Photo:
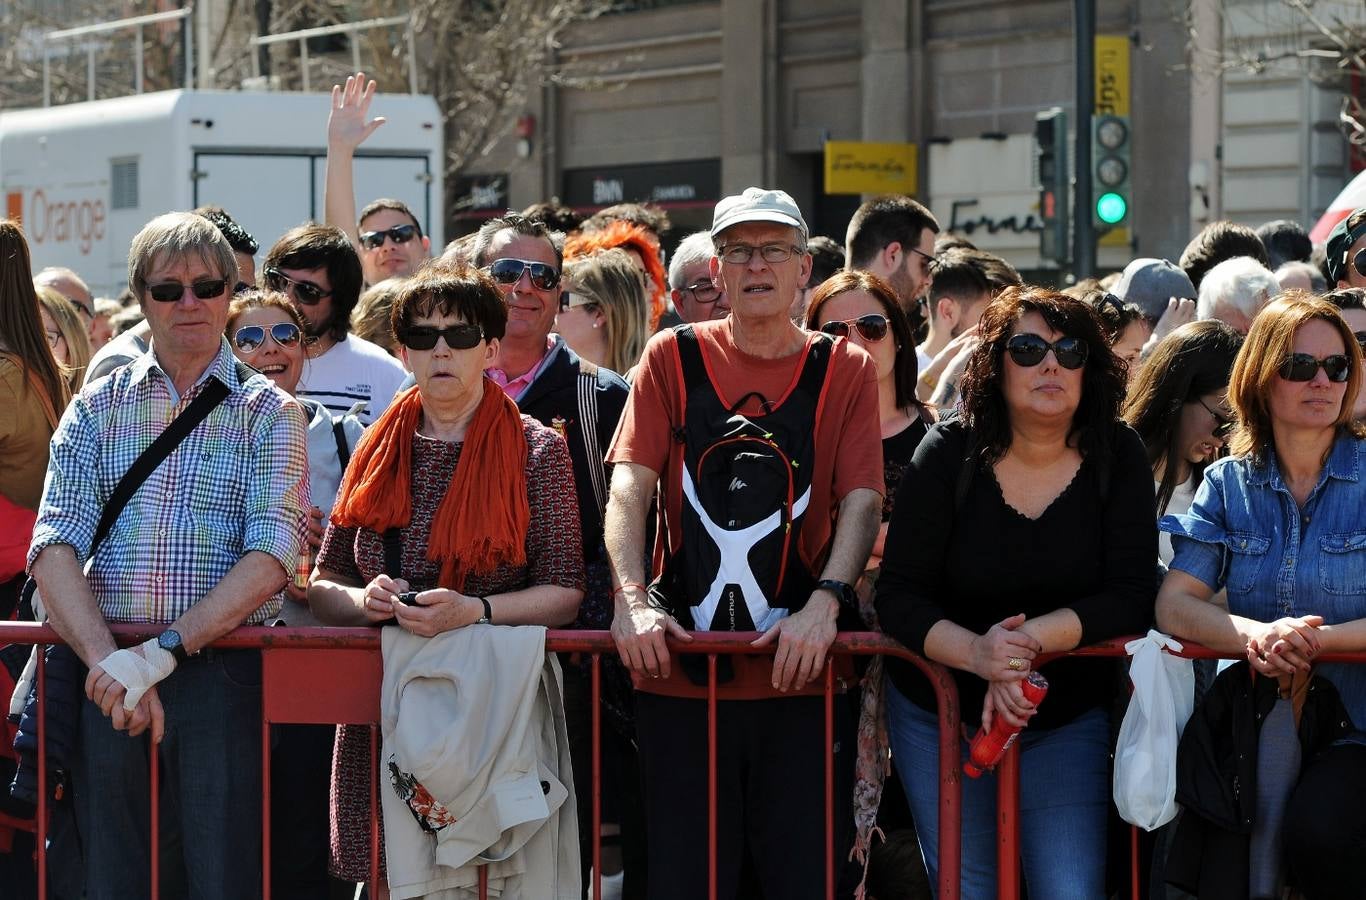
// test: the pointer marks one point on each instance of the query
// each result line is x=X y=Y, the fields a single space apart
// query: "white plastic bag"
x=1145 y=757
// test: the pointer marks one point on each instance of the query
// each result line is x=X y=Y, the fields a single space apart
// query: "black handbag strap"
x=214 y=393
x=343 y=451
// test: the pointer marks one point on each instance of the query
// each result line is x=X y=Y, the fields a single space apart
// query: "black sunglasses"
x=171 y=291
x=1028 y=350
x=872 y=327
x=509 y=271
x=424 y=337
x=249 y=338
x=1223 y=425
x=1359 y=262
x=306 y=292
x=1361 y=339
x=1303 y=367
x=399 y=234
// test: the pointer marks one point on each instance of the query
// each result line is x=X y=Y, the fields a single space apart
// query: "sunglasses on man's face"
x=871 y=328
x=509 y=271
x=306 y=292
x=399 y=234
x=1028 y=350
x=1361 y=339
x=171 y=291
x=1303 y=367
x=424 y=337
x=250 y=338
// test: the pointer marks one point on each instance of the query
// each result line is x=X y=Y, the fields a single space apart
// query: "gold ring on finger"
x=1016 y=663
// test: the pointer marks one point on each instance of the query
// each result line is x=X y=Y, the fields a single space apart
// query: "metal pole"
x=189 y=52
x=90 y=73
x=412 y=57
x=47 y=76
x=303 y=62
x=137 y=61
x=1083 y=232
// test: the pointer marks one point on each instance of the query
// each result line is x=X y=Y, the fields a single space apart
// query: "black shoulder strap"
x=343 y=451
x=690 y=356
x=213 y=394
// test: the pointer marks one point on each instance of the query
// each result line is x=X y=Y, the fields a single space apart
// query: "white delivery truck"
x=85 y=177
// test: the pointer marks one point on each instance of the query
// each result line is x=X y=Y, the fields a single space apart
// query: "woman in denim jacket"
x=1280 y=525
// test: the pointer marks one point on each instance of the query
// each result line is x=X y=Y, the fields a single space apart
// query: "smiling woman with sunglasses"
x=1279 y=526
x=455 y=510
x=1024 y=527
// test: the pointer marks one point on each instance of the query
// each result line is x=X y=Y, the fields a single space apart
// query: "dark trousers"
x=300 y=781
x=770 y=794
x=620 y=759
x=210 y=781
x=1325 y=825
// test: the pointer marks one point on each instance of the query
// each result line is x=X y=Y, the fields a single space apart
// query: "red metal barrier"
x=1008 y=780
x=333 y=675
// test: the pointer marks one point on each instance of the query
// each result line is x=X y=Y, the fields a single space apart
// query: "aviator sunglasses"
x=1303 y=367
x=872 y=327
x=399 y=234
x=509 y=271
x=458 y=337
x=306 y=292
x=171 y=291
x=1028 y=350
x=250 y=338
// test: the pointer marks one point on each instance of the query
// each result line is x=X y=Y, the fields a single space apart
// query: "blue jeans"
x=1064 y=801
x=210 y=779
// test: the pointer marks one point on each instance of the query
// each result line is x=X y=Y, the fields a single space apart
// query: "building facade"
x=685 y=102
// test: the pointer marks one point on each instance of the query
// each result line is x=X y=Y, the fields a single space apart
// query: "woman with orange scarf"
x=473 y=500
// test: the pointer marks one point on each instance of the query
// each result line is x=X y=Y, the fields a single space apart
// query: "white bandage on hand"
x=138 y=671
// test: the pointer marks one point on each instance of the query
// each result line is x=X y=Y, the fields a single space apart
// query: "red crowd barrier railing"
x=333 y=675
x=1008 y=772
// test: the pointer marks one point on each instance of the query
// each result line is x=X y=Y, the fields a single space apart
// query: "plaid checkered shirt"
x=238 y=482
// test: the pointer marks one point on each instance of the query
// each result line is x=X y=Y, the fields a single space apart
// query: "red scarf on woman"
x=481 y=522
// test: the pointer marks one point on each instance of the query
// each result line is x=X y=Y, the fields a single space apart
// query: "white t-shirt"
x=922 y=360
x=353 y=371
x=1182 y=498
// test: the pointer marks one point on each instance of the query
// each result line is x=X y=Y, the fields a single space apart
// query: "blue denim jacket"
x=1245 y=533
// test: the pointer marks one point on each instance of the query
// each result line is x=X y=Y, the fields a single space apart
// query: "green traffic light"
x=1111 y=208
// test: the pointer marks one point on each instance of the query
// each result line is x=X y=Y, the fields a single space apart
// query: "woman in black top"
x=1026 y=527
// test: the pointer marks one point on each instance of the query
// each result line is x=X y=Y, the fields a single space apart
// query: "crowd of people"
x=552 y=423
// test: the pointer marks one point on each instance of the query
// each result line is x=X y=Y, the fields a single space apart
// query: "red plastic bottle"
x=988 y=747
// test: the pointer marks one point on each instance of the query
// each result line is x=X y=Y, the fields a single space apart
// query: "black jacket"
x=583 y=402
x=1216 y=776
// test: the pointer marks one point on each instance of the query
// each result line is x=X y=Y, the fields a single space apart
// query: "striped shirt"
x=238 y=482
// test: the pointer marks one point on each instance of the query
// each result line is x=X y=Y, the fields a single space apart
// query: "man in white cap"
x=764 y=442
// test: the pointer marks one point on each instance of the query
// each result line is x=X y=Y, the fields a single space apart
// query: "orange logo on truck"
x=65 y=221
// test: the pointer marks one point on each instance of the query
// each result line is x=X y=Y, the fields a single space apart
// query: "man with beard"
x=318 y=269
x=893 y=237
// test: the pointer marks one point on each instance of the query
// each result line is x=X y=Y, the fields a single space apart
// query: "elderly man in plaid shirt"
x=203 y=546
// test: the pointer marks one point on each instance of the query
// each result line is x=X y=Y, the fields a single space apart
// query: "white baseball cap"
x=757 y=205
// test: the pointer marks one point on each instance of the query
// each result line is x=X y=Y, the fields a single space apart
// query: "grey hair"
x=1317 y=283
x=693 y=249
x=179 y=234
x=1241 y=282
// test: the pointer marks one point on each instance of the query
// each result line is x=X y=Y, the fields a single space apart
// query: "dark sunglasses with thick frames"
x=872 y=327
x=399 y=234
x=509 y=271
x=1303 y=367
x=250 y=338
x=1223 y=425
x=1028 y=350
x=424 y=337
x=306 y=292
x=171 y=291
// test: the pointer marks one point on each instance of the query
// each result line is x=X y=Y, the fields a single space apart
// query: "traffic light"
x=1110 y=154
x=1050 y=156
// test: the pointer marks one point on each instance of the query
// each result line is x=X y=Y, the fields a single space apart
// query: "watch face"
x=169 y=640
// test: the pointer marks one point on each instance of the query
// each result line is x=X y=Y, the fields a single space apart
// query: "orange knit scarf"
x=481 y=522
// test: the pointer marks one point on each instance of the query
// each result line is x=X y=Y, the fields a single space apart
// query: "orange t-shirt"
x=848 y=440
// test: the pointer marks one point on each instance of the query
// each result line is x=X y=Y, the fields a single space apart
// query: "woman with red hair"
x=640 y=245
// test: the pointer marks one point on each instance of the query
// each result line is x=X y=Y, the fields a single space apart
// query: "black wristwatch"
x=843 y=591
x=487 y=617
x=169 y=640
